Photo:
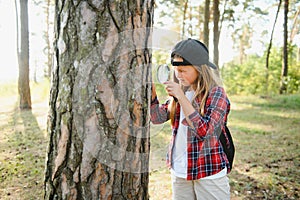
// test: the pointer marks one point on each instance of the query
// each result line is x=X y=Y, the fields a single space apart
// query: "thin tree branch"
x=271 y=39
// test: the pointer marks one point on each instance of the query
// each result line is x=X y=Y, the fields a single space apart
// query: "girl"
x=198 y=112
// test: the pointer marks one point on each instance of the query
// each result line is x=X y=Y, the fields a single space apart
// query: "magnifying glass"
x=163 y=73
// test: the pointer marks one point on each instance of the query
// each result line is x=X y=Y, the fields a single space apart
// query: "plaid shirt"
x=204 y=150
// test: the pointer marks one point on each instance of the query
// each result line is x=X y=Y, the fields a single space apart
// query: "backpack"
x=229 y=150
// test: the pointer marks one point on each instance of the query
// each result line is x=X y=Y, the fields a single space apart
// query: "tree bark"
x=269 y=49
x=206 y=23
x=98 y=122
x=23 y=54
x=48 y=40
x=185 y=7
x=216 y=38
x=284 y=72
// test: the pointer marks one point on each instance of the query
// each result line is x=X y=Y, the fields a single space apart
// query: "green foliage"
x=251 y=76
x=160 y=57
x=244 y=79
x=293 y=78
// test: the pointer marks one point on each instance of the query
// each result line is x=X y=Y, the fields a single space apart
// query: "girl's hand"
x=174 y=89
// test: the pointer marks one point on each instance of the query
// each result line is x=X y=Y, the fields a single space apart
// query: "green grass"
x=265 y=132
x=23 y=142
x=22 y=150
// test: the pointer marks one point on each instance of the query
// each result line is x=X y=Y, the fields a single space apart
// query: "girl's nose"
x=178 y=74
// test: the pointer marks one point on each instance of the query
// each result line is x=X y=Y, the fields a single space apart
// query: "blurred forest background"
x=255 y=43
x=248 y=43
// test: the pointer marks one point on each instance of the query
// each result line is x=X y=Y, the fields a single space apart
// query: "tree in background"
x=185 y=9
x=250 y=77
x=98 y=122
x=245 y=21
x=284 y=72
x=243 y=25
x=269 y=50
x=295 y=30
x=187 y=17
x=48 y=47
x=206 y=23
x=216 y=30
x=23 y=54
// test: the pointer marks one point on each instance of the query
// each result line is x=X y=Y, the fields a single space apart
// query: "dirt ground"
x=265 y=132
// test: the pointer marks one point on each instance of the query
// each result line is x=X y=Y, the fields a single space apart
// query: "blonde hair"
x=207 y=79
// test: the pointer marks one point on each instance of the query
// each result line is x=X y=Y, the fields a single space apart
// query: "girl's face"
x=186 y=75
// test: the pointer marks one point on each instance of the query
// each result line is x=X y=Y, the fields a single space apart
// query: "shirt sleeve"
x=159 y=113
x=214 y=117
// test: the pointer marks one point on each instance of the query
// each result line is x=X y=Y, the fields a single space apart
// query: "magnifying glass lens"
x=163 y=73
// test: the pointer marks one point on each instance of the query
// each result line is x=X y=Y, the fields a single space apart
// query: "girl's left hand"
x=173 y=89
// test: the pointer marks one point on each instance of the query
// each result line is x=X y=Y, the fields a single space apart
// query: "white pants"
x=202 y=189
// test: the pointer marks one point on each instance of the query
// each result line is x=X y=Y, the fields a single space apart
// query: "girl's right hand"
x=174 y=89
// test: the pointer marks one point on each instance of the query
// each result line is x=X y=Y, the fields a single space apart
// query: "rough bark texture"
x=99 y=118
x=23 y=56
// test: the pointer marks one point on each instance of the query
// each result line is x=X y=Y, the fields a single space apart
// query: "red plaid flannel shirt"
x=205 y=153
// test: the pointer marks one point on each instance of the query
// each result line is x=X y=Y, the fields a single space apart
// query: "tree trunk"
x=190 y=27
x=206 y=23
x=23 y=54
x=269 y=49
x=284 y=72
x=184 y=17
x=48 y=43
x=216 y=12
x=98 y=122
x=295 y=27
x=244 y=42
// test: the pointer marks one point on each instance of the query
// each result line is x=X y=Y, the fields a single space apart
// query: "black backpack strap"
x=229 y=149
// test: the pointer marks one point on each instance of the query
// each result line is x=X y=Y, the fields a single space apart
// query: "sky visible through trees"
x=37 y=26
x=8 y=52
x=259 y=25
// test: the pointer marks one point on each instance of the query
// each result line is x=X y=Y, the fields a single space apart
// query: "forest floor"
x=266 y=133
